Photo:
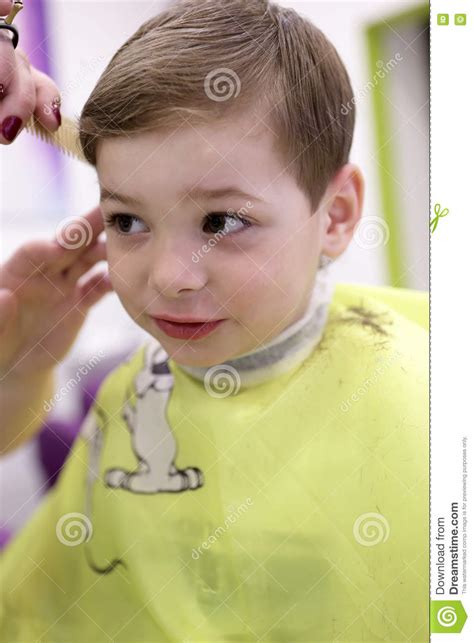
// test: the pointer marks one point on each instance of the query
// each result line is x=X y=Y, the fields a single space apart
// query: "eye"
x=234 y=224
x=124 y=223
x=214 y=223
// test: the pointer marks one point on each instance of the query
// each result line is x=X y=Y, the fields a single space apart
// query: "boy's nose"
x=173 y=270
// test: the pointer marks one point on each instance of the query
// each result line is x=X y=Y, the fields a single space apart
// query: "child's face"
x=173 y=259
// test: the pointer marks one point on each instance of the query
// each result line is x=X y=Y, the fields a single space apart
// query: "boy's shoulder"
x=384 y=314
x=370 y=319
x=411 y=305
x=377 y=338
x=371 y=368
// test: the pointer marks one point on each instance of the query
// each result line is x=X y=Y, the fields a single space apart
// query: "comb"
x=16 y=8
x=65 y=138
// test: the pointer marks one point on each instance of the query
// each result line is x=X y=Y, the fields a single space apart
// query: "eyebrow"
x=196 y=193
x=108 y=195
x=216 y=193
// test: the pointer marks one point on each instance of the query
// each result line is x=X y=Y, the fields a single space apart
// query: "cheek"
x=296 y=263
x=277 y=287
x=259 y=275
x=124 y=269
x=256 y=296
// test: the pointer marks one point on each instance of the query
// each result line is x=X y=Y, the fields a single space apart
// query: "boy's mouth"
x=187 y=330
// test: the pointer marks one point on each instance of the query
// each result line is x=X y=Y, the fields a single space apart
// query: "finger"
x=88 y=260
x=8 y=308
x=17 y=106
x=76 y=234
x=5 y=6
x=48 y=99
x=32 y=257
x=93 y=290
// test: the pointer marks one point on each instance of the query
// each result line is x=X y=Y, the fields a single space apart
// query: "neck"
x=285 y=351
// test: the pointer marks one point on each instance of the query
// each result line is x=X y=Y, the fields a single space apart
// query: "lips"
x=184 y=320
x=186 y=330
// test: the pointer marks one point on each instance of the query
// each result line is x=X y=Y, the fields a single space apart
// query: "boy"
x=258 y=470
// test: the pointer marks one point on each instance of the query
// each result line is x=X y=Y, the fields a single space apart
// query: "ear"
x=341 y=206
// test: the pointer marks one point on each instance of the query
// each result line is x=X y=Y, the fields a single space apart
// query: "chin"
x=193 y=352
x=188 y=354
x=200 y=359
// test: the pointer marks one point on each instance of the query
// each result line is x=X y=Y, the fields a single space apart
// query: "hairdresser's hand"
x=24 y=90
x=42 y=305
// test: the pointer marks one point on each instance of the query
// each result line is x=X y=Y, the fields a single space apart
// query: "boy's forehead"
x=209 y=157
x=223 y=138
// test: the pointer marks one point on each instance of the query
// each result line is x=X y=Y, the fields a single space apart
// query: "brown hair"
x=175 y=66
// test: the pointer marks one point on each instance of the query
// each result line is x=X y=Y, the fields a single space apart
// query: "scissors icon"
x=439 y=214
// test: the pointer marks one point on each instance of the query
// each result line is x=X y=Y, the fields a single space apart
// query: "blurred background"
x=385 y=47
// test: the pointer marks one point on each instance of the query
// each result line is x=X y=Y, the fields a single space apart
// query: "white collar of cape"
x=276 y=357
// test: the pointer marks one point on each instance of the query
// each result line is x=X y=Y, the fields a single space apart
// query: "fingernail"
x=55 y=104
x=10 y=127
x=57 y=113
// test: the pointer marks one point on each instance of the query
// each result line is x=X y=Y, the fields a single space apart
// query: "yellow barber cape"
x=293 y=510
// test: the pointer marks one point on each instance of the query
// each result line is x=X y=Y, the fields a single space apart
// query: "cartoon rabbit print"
x=152 y=439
